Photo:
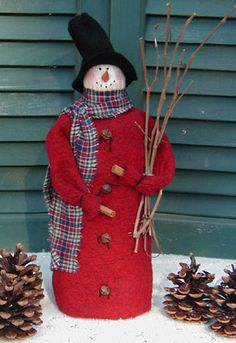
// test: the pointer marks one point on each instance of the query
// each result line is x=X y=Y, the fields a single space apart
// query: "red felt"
x=162 y=174
x=91 y=205
x=128 y=275
x=65 y=174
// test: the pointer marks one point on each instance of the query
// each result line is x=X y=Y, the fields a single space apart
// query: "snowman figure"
x=92 y=210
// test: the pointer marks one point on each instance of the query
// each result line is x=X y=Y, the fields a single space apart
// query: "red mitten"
x=145 y=184
x=90 y=203
x=151 y=185
x=164 y=170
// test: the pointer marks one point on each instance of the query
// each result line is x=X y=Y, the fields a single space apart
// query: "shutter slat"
x=187 y=8
x=36 y=79
x=21 y=178
x=203 y=182
x=200 y=107
x=38 y=6
x=36 y=28
x=31 y=229
x=33 y=104
x=179 y=234
x=205 y=158
x=40 y=54
x=25 y=129
x=196 y=32
x=22 y=202
x=23 y=154
x=198 y=205
x=211 y=57
x=216 y=83
x=197 y=132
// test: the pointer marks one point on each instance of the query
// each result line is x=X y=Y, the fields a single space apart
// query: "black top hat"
x=95 y=48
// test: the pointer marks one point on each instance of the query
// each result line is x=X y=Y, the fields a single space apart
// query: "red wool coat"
x=112 y=281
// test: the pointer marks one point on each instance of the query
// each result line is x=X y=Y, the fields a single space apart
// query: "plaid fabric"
x=65 y=222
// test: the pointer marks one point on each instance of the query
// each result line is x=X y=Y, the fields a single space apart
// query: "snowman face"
x=104 y=77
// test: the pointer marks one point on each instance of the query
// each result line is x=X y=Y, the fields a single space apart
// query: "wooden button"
x=105 y=238
x=104 y=291
x=106 y=188
x=106 y=134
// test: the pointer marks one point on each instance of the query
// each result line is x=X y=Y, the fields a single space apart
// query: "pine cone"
x=224 y=305
x=189 y=300
x=20 y=294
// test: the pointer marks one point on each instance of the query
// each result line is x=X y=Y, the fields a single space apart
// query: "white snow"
x=152 y=327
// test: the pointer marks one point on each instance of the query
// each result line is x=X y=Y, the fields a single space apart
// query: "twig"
x=136 y=245
x=209 y=35
x=142 y=49
x=147 y=223
x=177 y=75
x=155 y=239
x=141 y=129
x=155 y=131
x=158 y=57
x=148 y=90
x=179 y=83
x=169 y=112
x=168 y=9
x=137 y=220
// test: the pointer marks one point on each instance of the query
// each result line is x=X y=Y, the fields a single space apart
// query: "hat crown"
x=88 y=36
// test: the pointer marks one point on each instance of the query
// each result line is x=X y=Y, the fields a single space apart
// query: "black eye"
x=100 y=68
x=107 y=68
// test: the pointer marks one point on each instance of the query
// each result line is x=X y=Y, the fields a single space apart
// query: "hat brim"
x=112 y=58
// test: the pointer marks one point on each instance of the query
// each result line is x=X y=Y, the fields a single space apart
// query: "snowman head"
x=104 y=77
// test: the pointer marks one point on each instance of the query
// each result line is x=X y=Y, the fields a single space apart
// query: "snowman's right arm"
x=65 y=174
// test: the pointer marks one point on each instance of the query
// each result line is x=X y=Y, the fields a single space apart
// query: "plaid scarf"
x=65 y=222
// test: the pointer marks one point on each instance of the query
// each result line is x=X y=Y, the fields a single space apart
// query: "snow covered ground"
x=152 y=327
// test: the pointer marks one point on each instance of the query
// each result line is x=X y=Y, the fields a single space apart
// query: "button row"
x=105 y=238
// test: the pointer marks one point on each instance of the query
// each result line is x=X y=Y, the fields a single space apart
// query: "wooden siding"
x=197 y=212
x=37 y=68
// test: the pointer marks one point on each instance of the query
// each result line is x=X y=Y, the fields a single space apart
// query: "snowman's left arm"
x=163 y=171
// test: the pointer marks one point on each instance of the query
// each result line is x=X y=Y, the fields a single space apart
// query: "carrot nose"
x=105 y=76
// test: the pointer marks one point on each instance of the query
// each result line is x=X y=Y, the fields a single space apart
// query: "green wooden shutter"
x=37 y=67
x=37 y=61
x=198 y=210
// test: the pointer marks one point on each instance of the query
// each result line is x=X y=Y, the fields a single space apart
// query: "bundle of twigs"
x=144 y=223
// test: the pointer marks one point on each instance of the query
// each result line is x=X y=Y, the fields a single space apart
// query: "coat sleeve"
x=65 y=174
x=163 y=171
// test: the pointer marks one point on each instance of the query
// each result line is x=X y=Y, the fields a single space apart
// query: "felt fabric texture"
x=65 y=222
x=128 y=275
x=95 y=48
